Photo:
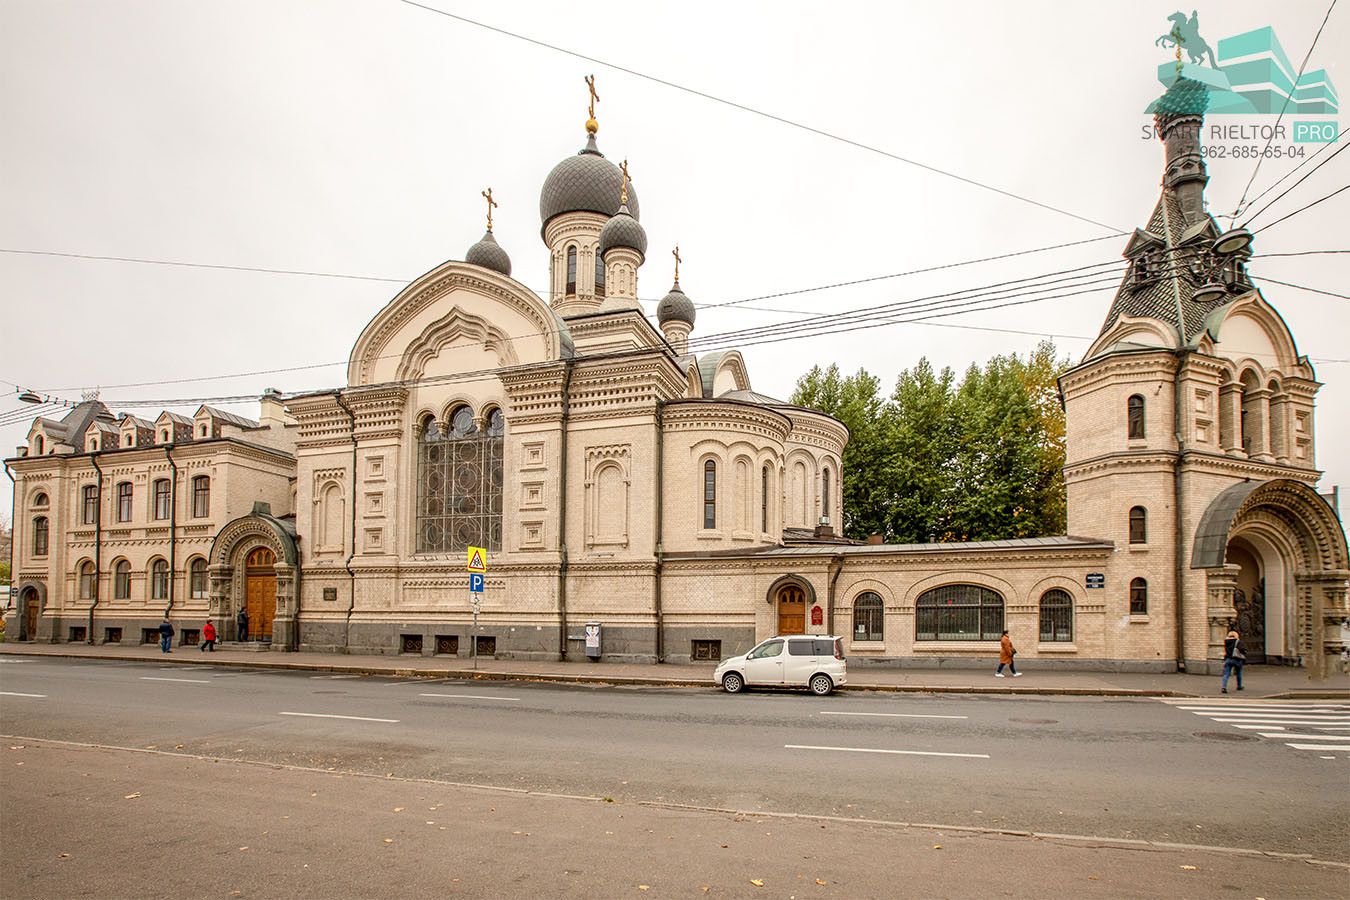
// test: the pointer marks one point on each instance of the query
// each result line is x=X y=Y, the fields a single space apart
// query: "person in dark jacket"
x=241 y=620
x=166 y=636
x=208 y=637
x=1234 y=655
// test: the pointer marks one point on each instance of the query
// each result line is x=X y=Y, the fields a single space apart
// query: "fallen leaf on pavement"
x=937 y=846
x=644 y=887
x=706 y=888
x=63 y=856
x=399 y=808
x=388 y=840
x=179 y=746
x=757 y=882
x=1188 y=868
x=820 y=881
x=132 y=796
x=242 y=849
x=1093 y=878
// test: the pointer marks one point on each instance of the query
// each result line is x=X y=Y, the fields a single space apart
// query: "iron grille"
x=1056 y=616
x=459 y=502
x=959 y=612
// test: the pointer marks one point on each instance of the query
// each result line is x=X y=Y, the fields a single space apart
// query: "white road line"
x=178 y=680
x=1332 y=727
x=898 y=752
x=1302 y=737
x=331 y=716
x=17 y=694
x=1322 y=747
x=1257 y=727
x=1300 y=710
x=1252 y=717
x=335 y=677
x=472 y=697
x=826 y=712
x=14 y=662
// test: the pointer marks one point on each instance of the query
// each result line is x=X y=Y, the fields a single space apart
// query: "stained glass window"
x=459 y=477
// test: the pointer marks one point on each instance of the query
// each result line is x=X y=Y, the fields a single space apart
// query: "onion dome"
x=676 y=307
x=489 y=254
x=586 y=182
x=623 y=231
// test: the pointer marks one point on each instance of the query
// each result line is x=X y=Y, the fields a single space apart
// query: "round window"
x=461 y=422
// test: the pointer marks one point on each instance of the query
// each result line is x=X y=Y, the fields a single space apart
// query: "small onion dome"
x=489 y=254
x=675 y=306
x=623 y=231
x=586 y=182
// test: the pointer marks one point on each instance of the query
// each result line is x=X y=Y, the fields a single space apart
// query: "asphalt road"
x=1127 y=769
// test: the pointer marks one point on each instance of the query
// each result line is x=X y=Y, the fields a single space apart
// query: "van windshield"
x=763 y=651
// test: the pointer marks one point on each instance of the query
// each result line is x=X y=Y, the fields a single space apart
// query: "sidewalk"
x=1281 y=682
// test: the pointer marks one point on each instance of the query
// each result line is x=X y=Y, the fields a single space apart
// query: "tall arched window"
x=710 y=494
x=121 y=580
x=41 y=445
x=159 y=580
x=869 y=617
x=40 y=535
x=825 y=493
x=201 y=496
x=162 y=499
x=1138 y=597
x=40 y=500
x=571 y=270
x=1138 y=525
x=1056 y=616
x=459 y=483
x=599 y=275
x=764 y=500
x=87 y=580
x=959 y=612
x=89 y=493
x=1135 y=416
x=197 y=579
x=124 y=501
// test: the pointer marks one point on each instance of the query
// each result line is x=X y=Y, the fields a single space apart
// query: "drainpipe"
x=836 y=567
x=173 y=524
x=1179 y=573
x=562 y=512
x=351 y=575
x=98 y=547
x=660 y=496
x=13 y=507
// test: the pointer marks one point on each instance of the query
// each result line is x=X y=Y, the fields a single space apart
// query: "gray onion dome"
x=489 y=254
x=586 y=182
x=675 y=306
x=623 y=231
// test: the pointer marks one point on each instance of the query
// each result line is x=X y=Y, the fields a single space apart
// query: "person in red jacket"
x=1006 y=652
x=208 y=637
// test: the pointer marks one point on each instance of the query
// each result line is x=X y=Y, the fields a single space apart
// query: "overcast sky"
x=354 y=137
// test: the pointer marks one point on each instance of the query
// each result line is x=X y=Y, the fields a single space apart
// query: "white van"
x=796 y=660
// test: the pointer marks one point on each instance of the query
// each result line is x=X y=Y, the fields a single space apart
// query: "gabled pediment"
x=1142 y=241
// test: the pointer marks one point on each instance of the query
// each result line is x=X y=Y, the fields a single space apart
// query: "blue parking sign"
x=476 y=580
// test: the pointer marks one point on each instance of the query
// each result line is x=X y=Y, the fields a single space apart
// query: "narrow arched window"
x=571 y=270
x=89 y=494
x=1056 y=616
x=124 y=501
x=41 y=445
x=764 y=500
x=87 y=580
x=40 y=535
x=1135 y=416
x=1138 y=597
x=869 y=617
x=197 y=579
x=159 y=580
x=201 y=496
x=162 y=498
x=825 y=493
x=121 y=580
x=40 y=499
x=710 y=494
x=1138 y=525
x=599 y=276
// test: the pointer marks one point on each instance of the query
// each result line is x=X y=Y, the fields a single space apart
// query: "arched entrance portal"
x=260 y=575
x=791 y=609
x=1249 y=600
x=29 y=609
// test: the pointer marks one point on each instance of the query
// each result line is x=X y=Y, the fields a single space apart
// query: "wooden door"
x=791 y=610
x=30 y=615
x=260 y=593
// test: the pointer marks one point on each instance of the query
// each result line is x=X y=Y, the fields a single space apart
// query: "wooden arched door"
x=30 y=608
x=791 y=610
x=260 y=577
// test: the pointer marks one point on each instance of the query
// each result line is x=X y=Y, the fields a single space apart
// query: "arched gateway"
x=1276 y=567
x=254 y=567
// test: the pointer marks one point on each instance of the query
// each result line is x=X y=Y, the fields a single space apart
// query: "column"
x=1230 y=419
x=1222 y=586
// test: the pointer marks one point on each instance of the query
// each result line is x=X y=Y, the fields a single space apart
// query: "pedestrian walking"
x=241 y=620
x=166 y=636
x=1006 y=652
x=208 y=637
x=1234 y=656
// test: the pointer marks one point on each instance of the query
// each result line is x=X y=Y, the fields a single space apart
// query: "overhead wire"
x=1302 y=209
x=1254 y=216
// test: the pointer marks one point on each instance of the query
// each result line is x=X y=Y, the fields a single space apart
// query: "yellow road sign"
x=477 y=560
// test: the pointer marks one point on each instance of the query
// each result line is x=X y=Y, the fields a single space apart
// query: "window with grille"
x=1056 y=616
x=1134 y=408
x=40 y=535
x=124 y=502
x=1138 y=525
x=197 y=579
x=459 y=480
x=162 y=499
x=90 y=505
x=869 y=617
x=959 y=612
x=1138 y=597
x=201 y=496
x=710 y=494
x=705 y=650
x=159 y=580
x=121 y=580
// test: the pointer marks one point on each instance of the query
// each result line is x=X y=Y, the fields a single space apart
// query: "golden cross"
x=590 y=86
x=487 y=195
x=623 y=192
x=676 y=253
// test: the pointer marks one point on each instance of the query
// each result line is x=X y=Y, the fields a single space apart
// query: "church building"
x=617 y=474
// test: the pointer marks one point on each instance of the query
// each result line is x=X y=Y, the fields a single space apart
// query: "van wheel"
x=821 y=685
x=733 y=683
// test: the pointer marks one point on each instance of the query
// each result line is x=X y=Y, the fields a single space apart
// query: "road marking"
x=1303 y=737
x=17 y=694
x=1286 y=720
x=335 y=677
x=178 y=680
x=472 y=697
x=1322 y=747
x=826 y=712
x=14 y=662
x=331 y=716
x=898 y=752
x=1275 y=719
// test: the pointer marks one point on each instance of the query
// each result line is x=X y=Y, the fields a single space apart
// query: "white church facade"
x=617 y=475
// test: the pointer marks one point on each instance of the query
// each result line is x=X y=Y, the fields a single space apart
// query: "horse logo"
x=1186 y=33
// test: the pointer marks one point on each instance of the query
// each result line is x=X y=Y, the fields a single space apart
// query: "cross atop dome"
x=592 y=126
